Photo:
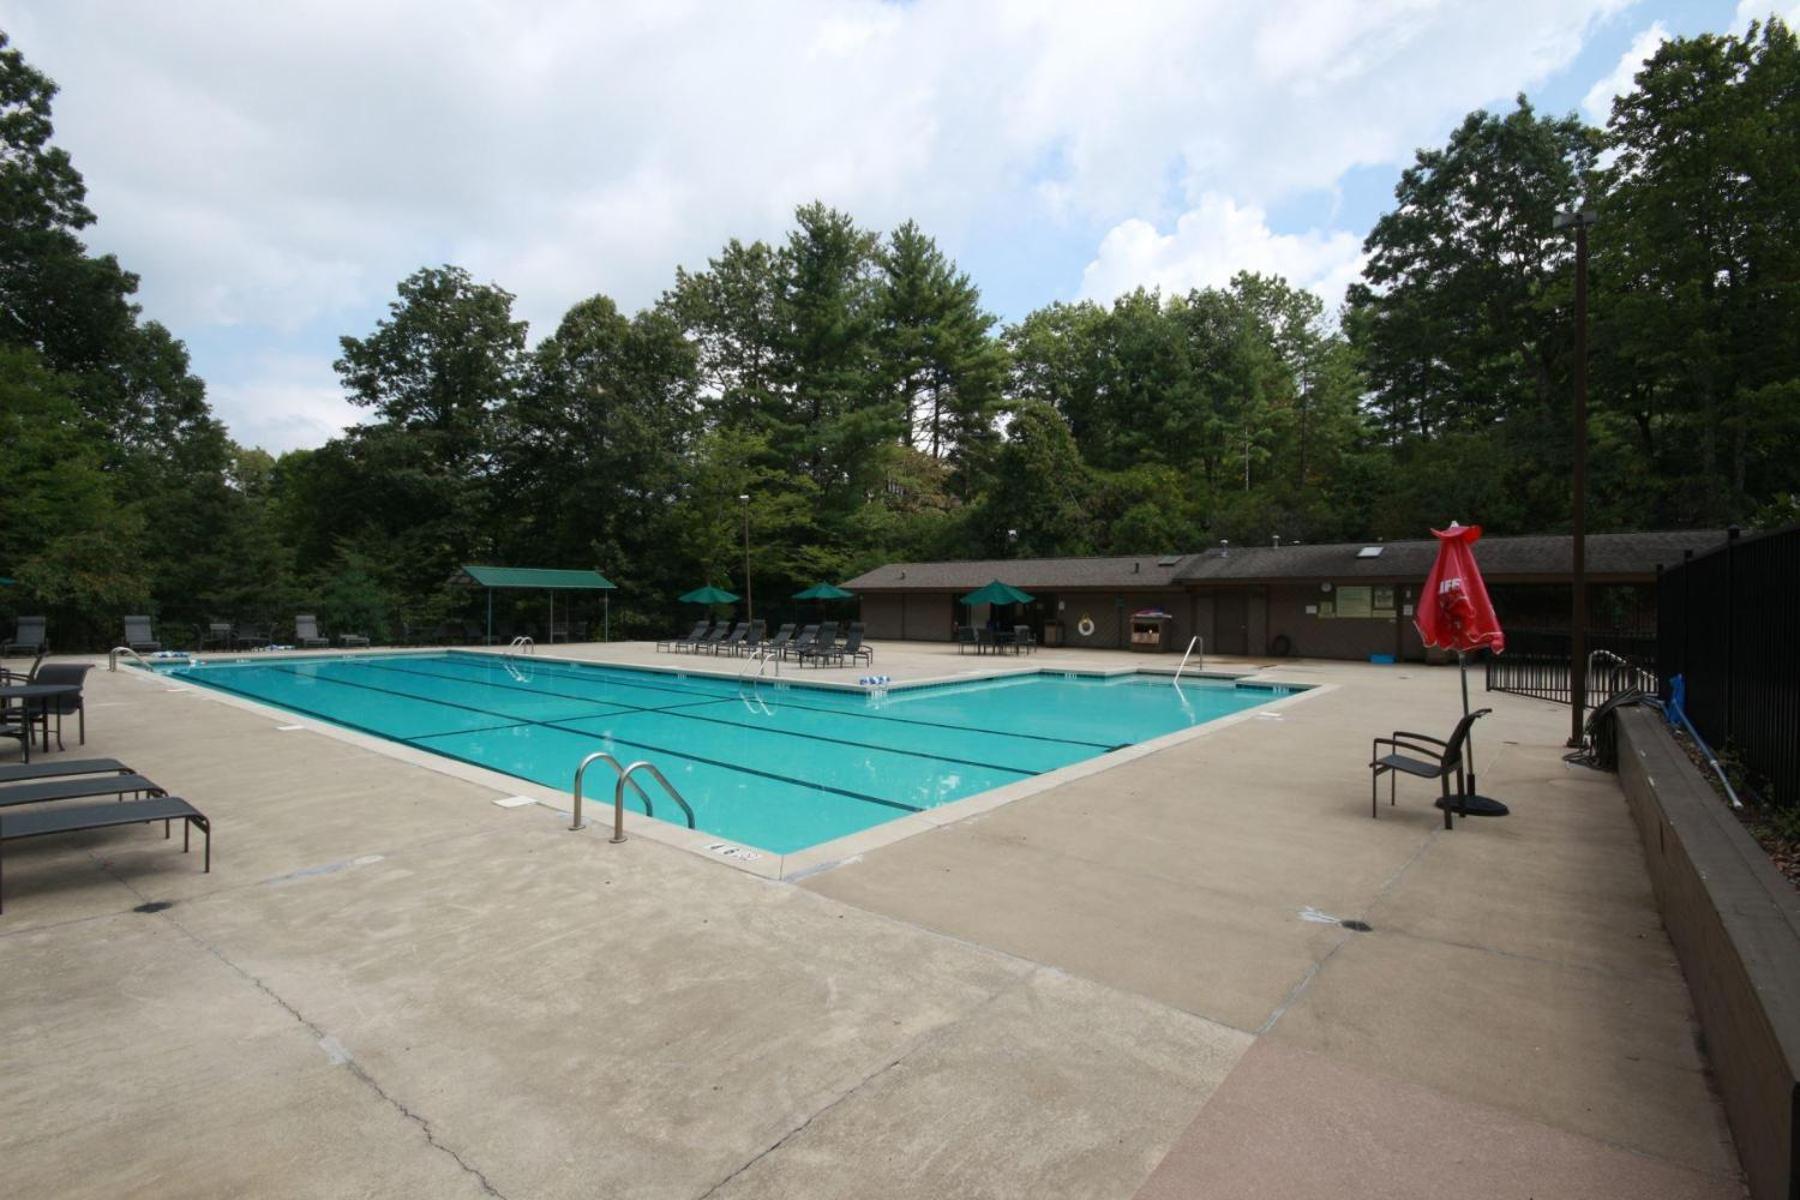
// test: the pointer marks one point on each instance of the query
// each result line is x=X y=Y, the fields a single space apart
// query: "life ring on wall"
x=1282 y=646
x=1085 y=626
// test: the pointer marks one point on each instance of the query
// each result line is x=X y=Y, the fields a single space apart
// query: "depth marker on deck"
x=515 y=801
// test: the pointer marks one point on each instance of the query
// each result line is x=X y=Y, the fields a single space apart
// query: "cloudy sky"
x=272 y=170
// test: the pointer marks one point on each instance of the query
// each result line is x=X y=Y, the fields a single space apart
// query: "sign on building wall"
x=1357 y=600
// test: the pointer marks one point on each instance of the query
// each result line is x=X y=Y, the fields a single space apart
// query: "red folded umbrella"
x=1454 y=610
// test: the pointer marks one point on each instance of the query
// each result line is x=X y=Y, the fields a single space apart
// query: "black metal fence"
x=1728 y=622
x=1536 y=663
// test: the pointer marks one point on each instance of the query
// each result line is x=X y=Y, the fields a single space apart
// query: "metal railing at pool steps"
x=625 y=778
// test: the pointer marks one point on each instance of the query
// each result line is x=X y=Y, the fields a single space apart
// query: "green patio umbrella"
x=824 y=591
x=709 y=595
x=997 y=593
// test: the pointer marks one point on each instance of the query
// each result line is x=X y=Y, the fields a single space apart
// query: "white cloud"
x=1211 y=243
x=273 y=169
x=1761 y=10
x=1597 y=104
x=282 y=402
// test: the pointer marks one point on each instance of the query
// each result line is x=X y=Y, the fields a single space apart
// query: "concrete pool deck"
x=1131 y=983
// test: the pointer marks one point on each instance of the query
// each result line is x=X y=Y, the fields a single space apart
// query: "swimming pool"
x=780 y=767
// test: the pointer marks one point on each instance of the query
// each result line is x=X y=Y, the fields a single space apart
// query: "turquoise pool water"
x=782 y=768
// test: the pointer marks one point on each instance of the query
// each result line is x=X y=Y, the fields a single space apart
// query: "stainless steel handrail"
x=1201 y=665
x=619 y=796
x=616 y=765
x=767 y=656
x=112 y=657
x=1639 y=678
x=625 y=774
x=523 y=644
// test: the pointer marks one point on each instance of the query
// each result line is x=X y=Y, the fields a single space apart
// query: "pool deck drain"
x=1049 y=997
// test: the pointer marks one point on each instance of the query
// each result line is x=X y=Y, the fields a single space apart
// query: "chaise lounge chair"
x=139 y=636
x=778 y=644
x=353 y=641
x=823 y=647
x=752 y=638
x=306 y=633
x=1439 y=759
x=27 y=638
x=218 y=633
x=76 y=787
x=694 y=635
x=43 y=821
x=711 y=641
x=853 y=648
x=803 y=643
x=21 y=772
x=732 y=641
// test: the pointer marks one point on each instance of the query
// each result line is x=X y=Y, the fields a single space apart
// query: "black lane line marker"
x=369 y=687
x=580 y=733
x=337 y=719
x=836 y=712
x=688 y=716
x=520 y=687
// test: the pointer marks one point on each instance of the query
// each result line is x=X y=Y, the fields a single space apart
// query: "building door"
x=1231 y=623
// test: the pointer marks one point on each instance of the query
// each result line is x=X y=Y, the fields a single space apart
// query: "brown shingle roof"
x=1140 y=571
x=1533 y=556
x=1550 y=554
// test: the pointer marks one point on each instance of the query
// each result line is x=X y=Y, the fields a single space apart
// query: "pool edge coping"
x=813 y=860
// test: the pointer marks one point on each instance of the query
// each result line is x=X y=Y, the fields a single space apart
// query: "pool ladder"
x=625 y=777
x=766 y=656
x=112 y=658
x=522 y=644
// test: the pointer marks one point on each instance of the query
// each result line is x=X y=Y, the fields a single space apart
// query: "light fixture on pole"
x=749 y=597
x=1579 y=220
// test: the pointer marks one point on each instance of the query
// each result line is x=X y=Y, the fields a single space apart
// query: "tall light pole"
x=1579 y=220
x=749 y=595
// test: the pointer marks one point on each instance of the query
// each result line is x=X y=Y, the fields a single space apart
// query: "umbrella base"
x=1472 y=806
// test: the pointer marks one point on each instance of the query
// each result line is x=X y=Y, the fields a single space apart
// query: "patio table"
x=43 y=694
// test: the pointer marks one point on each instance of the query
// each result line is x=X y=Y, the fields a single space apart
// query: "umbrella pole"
x=1462 y=667
x=490 y=632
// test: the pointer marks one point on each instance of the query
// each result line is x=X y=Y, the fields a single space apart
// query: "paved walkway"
x=1135 y=983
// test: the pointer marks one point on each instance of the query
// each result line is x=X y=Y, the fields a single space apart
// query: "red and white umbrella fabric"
x=1454 y=611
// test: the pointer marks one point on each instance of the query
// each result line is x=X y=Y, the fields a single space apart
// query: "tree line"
x=851 y=384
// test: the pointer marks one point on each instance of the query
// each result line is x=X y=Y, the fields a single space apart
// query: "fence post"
x=1687 y=607
x=1731 y=537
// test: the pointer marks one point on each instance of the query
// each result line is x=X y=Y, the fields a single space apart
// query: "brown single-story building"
x=1340 y=600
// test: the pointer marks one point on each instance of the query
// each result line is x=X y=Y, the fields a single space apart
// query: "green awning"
x=540 y=578
x=997 y=593
x=709 y=595
x=824 y=591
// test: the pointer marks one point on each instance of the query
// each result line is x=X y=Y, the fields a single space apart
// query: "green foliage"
x=852 y=386
x=70 y=542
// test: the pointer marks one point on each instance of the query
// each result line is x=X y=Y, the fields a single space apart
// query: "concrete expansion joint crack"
x=931 y=1038
x=1312 y=972
x=357 y=1070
